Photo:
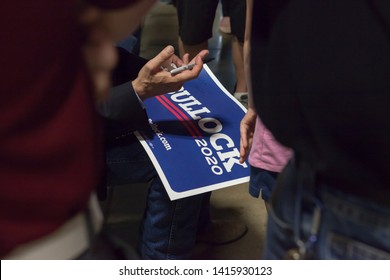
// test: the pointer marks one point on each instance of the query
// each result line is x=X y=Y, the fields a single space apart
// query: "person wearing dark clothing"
x=320 y=77
x=196 y=19
x=168 y=229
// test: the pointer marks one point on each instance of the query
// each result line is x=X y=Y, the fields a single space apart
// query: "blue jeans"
x=263 y=181
x=168 y=229
x=349 y=227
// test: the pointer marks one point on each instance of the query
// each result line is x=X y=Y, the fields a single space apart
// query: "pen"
x=187 y=67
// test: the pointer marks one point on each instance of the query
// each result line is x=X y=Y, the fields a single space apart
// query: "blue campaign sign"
x=196 y=141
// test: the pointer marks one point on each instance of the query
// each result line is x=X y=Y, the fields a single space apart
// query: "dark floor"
x=125 y=211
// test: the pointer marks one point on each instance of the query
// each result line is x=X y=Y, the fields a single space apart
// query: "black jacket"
x=321 y=83
x=123 y=112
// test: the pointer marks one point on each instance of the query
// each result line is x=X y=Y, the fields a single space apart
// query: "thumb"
x=162 y=57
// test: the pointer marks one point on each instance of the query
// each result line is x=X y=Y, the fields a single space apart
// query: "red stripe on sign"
x=178 y=110
x=184 y=120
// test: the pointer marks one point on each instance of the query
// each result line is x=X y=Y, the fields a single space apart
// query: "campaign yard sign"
x=196 y=137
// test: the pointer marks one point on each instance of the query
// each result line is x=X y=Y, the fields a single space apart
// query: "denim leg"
x=279 y=232
x=353 y=228
x=204 y=215
x=127 y=163
x=168 y=229
x=349 y=227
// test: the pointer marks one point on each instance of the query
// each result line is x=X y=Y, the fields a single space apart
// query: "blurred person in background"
x=196 y=19
x=58 y=62
x=320 y=78
x=267 y=157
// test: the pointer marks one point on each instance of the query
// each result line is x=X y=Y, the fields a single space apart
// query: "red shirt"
x=49 y=134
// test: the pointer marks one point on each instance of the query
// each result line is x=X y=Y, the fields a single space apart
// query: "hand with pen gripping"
x=160 y=74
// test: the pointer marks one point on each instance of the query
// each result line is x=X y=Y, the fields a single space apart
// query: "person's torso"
x=323 y=74
x=49 y=160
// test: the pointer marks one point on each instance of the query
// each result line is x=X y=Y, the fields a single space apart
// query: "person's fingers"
x=243 y=151
x=162 y=58
x=199 y=61
x=243 y=143
x=194 y=72
x=180 y=62
x=244 y=140
x=201 y=55
x=186 y=58
x=174 y=63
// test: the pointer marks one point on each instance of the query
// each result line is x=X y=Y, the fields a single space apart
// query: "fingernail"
x=169 y=49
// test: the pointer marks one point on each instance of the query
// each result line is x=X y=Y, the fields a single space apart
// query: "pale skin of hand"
x=152 y=80
x=247 y=129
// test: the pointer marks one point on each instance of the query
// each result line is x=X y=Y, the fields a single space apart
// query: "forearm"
x=121 y=104
x=123 y=112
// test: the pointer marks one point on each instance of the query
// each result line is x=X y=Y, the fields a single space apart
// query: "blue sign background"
x=181 y=150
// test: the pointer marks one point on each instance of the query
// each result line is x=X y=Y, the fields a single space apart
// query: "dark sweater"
x=321 y=82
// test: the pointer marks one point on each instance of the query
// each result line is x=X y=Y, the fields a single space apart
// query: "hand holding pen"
x=177 y=70
x=151 y=81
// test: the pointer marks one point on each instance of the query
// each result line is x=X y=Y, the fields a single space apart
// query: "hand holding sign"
x=196 y=141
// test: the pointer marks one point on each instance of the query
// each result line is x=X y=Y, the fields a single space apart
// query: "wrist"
x=139 y=90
